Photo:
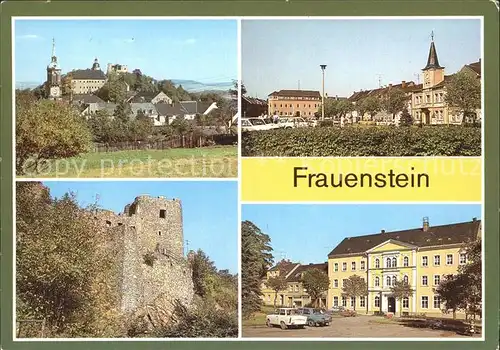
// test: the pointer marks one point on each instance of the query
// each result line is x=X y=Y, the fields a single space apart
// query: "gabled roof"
x=436 y=235
x=143 y=97
x=404 y=86
x=86 y=98
x=296 y=93
x=296 y=275
x=88 y=74
x=254 y=101
x=165 y=109
x=145 y=107
x=475 y=67
x=284 y=267
x=194 y=107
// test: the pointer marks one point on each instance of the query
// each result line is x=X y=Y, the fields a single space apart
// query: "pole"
x=323 y=67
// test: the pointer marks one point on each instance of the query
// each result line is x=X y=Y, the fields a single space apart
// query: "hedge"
x=363 y=141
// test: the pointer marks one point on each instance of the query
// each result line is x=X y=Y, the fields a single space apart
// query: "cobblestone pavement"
x=349 y=327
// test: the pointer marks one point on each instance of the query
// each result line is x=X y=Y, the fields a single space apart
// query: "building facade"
x=295 y=294
x=253 y=107
x=290 y=103
x=419 y=256
x=428 y=104
x=87 y=81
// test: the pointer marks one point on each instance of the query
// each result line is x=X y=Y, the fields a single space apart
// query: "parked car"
x=286 y=318
x=256 y=124
x=335 y=310
x=292 y=122
x=314 y=316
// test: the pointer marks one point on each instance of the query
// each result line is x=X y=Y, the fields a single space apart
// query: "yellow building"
x=295 y=294
x=420 y=256
x=302 y=103
x=87 y=81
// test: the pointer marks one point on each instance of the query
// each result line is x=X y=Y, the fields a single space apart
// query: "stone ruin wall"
x=149 y=226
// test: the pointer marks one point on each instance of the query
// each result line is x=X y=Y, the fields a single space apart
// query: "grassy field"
x=219 y=161
x=258 y=318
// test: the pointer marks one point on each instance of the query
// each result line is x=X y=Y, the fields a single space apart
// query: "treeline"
x=66 y=277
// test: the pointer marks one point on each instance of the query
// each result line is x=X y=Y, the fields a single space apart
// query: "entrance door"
x=391 y=304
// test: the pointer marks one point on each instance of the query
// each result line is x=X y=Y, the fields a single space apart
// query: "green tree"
x=141 y=128
x=202 y=268
x=256 y=259
x=48 y=130
x=100 y=124
x=276 y=283
x=399 y=291
x=181 y=126
x=355 y=286
x=122 y=112
x=463 y=290
x=394 y=101
x=63 y=272
x=406 y=119
x=371 y=105
x=463 y=92
x=114 y=90
x=336 y=109
x=316 y=282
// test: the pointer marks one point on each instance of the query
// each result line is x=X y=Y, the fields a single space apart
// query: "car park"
x=286 y=318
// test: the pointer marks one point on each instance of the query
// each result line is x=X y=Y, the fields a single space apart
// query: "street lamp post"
x=323 y=67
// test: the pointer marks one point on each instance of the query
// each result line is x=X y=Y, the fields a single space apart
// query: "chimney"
x=425 y=226
x=403 y=84
x=382 y=231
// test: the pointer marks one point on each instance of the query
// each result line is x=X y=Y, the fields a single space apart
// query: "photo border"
x=260 y=8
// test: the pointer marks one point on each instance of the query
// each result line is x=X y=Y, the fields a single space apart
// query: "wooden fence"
x=184 y=141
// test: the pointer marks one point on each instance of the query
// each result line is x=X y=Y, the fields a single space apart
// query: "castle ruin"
x=147 y=243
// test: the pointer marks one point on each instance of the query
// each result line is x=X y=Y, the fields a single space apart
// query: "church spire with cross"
x=432 y=59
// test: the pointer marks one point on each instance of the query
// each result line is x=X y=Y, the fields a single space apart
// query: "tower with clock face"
x=53 y=84
x=433 y=73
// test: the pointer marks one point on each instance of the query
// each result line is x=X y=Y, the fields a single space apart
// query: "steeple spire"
x=432 y=60
x=53 y=47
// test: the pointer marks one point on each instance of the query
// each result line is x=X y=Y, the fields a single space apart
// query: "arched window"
x=377 y=301
x=388 y=262
x=405 y=261
x=394 y=262
x=377 y=263
x=377 y=282
x=388 y=280
x=405 y=279
x=394 y=280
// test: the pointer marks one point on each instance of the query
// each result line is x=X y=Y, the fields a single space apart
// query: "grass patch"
x=217 y=161
x=259 y=318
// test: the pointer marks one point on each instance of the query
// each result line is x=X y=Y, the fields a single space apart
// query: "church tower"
x=433 y=72
x=53 y=85
x=96 y=65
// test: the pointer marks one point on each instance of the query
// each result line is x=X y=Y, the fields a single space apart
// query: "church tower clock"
x=53 y=85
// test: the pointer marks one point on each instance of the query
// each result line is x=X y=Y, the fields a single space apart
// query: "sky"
x=277 y=54
x=201 y=50
x=210 y=209
x=307 y=233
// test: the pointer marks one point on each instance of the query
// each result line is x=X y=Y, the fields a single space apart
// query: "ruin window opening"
x=163 y=213
x=108 y=223
x=159 y=233
x=120 y=223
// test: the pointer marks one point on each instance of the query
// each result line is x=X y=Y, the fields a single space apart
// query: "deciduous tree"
x=463 y=92
x=276 y=283
x=354 y=286
x=394 y=101
x=399 y=291
x=48 y=130
x=316 y=282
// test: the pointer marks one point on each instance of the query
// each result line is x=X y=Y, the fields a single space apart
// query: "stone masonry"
x=148 y=227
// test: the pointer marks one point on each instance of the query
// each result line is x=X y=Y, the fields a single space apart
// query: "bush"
x=372 y=141
x=202 y=321
x=149 y=259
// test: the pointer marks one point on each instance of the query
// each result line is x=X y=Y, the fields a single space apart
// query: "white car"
x=286 y=318
x=294 y=122
x=256 y=124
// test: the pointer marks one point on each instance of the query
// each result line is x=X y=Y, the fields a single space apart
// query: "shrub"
x=363 y=141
